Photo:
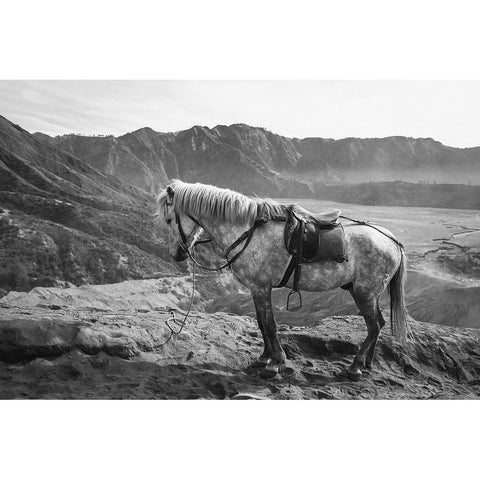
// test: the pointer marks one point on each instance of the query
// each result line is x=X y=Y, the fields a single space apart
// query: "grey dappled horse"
x=257 y=258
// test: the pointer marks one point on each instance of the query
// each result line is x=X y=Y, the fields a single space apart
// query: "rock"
x=79 y=352
x=218 y=389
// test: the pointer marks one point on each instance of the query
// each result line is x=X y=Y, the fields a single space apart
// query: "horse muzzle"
x=180 y=254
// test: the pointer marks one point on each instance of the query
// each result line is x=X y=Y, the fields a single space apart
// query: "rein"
x=179 y=324
x=175 y=325
x=247 y=235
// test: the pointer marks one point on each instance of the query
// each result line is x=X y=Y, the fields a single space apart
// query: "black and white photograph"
x=230 y=261
x=297 y=237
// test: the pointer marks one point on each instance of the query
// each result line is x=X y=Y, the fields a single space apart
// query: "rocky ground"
x=97 y=342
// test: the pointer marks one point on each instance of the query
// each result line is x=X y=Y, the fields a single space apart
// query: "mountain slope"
x=63 y=220
x=147 y=158
x=36 y=166
x=254 y=160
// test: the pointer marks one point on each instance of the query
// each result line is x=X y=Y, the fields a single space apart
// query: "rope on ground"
x=174 y=324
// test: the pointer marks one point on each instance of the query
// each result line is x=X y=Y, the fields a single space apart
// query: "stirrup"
x=297 y=307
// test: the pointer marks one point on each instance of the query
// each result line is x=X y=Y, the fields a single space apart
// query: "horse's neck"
x=223 y=233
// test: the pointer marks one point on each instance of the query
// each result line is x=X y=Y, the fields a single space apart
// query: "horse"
x=246 y=232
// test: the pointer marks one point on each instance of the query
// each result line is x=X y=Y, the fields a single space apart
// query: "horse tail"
x=398 y=312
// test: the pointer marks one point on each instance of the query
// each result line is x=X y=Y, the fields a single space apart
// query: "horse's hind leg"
x=368 y=305
x=266 y=357
x=371 y=350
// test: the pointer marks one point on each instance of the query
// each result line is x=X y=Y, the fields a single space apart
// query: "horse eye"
x=169 y=221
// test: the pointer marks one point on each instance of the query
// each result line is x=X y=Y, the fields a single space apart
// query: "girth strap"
x=299 y=256
x=296 y=267
x=288 y=272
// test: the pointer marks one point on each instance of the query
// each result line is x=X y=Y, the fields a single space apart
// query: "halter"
x=184 y=242
x=247 y=235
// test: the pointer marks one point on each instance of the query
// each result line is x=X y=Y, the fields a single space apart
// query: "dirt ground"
x=80 y=353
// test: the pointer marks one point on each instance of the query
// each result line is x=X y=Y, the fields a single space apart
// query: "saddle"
x=311 y=238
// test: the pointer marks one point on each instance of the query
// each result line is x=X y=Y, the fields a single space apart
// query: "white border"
x=252 y=39
x=238 y=440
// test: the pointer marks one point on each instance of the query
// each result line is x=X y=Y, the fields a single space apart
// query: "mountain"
x=33 y=166
x=392 y=158
x=257 y=161
x=237 y=157
x=400 y=193
x=62 y=220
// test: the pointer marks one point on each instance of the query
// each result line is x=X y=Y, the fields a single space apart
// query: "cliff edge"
x=70 y=348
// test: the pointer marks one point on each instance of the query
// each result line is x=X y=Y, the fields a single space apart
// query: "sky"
x=448 y=111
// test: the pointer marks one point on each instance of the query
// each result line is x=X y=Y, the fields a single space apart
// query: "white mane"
x=208 y=201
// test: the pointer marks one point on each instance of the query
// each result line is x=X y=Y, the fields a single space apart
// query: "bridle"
x=175 y=325
x=190 y=249
x=183 y=243
x=185 y=238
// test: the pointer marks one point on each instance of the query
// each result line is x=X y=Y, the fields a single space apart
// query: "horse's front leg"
x=273 y=356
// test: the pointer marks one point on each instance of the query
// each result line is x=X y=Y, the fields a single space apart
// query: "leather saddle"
x=311 y=238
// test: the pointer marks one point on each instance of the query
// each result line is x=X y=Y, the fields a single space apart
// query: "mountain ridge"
x=238 y=156
x=241 y=124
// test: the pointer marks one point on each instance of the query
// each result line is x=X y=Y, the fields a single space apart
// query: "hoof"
x=258 y=364
x=270 y=371
x=354 y=375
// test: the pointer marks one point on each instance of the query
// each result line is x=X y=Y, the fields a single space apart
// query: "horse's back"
x=373 y=259
x=371 y=234
x=368 y=247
